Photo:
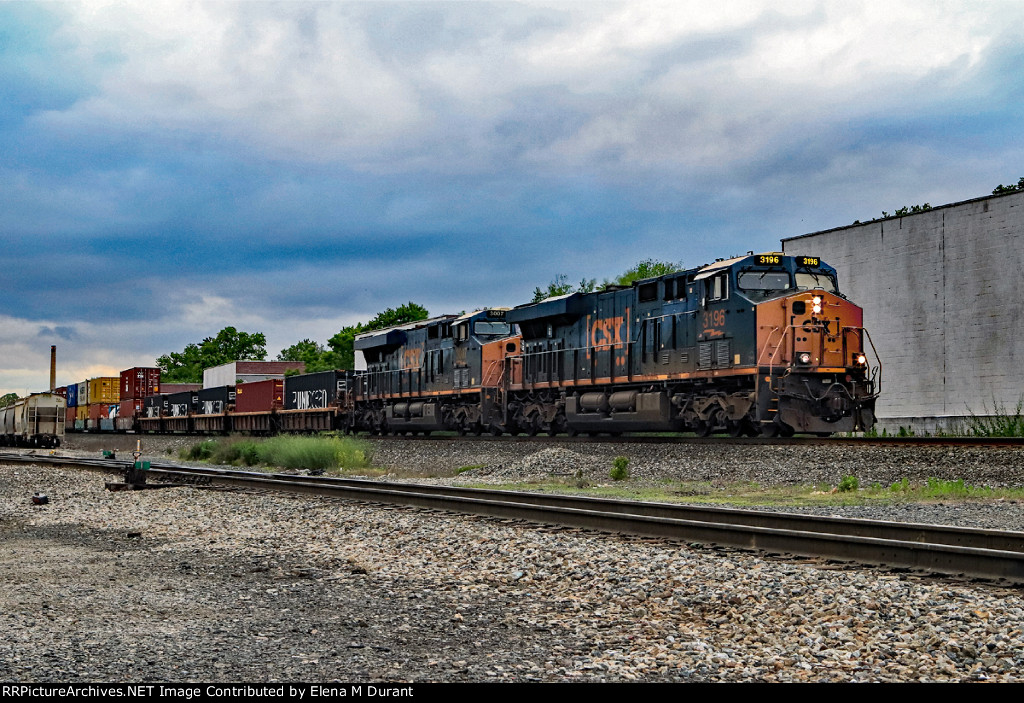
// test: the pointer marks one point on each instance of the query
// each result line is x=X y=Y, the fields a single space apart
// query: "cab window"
x=764 y=280
x=492 y=328
x=807 y=280
x=718 y=286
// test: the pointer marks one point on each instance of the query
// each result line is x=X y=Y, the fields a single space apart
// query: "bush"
x=318 y=453
x=199 y=452
x=847 y=484
x=620 y=468
x=1001 y=423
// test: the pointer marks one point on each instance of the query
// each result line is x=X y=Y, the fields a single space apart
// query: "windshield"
x=766 y=282
x=807 y=280
x=492 y=328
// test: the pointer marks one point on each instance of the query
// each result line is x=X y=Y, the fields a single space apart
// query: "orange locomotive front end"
x=813 y=372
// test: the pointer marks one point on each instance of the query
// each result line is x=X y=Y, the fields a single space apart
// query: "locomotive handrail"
x=875 y=377
x=523 y=355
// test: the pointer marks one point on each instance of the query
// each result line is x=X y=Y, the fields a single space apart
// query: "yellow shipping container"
x=82 y=412
x=104 y=390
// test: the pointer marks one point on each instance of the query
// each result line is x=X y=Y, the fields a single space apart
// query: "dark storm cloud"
x=173 y=168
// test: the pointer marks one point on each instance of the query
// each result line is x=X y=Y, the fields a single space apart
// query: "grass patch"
x=751 y=494
x=316 y=453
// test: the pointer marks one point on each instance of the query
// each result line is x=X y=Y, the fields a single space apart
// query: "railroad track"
x=654 y=439
x=720 y=440
x=976 y=553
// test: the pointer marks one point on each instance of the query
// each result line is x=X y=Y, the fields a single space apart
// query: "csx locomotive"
x=763 y=344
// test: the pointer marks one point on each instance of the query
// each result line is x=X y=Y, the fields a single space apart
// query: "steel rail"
x=987 y=554
x=633 y=438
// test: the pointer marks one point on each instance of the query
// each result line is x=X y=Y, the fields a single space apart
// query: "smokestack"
x=53 y=368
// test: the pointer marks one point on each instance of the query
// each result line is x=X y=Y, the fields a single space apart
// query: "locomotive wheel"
x=735 y=428
x=496 y=431
x=703 y=428
x=771 y=430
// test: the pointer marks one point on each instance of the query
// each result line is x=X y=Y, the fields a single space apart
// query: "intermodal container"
x=181 y=404
x=259 y=396
x=130 y=407
x=140 y=381
x=215 y=401
x=104 y=390
x=83 y=393
x=82 y=412
x=312 y=391
x=72 y=395
x=154 y=406
x=102 y=411
x=72 y=415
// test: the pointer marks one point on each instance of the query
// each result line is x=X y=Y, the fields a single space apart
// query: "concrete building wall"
x=942 y=303
x=247 y=372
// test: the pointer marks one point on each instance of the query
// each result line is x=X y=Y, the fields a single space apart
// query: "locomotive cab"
x=813 y=363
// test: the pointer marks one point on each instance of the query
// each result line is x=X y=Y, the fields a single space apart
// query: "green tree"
x=314 y=355
x=648 y=268
x=229 y=345
x=558 y=286
x=7 y=399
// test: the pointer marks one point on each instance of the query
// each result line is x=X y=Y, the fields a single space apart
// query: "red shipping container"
x=72 y=415
x=259 y=396
x=99 y=411
x=130 y=408
x=140 y=381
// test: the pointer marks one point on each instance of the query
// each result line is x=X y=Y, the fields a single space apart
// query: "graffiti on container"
x=304 y=400
x=179 y=409
x=213 y=407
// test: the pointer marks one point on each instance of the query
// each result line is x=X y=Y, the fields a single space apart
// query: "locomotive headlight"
x=860 y=359
x=816 y=305
x=804 y=358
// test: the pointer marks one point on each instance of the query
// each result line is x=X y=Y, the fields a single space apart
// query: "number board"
x=808 y=261
x=496 y=314
x=769 y=259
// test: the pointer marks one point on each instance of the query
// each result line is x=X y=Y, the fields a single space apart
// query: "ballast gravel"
x=185 y=584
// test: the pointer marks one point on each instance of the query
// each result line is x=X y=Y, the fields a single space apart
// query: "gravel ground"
x=200 y=585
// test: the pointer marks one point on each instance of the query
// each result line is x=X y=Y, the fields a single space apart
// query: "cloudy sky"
x=168 y=169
